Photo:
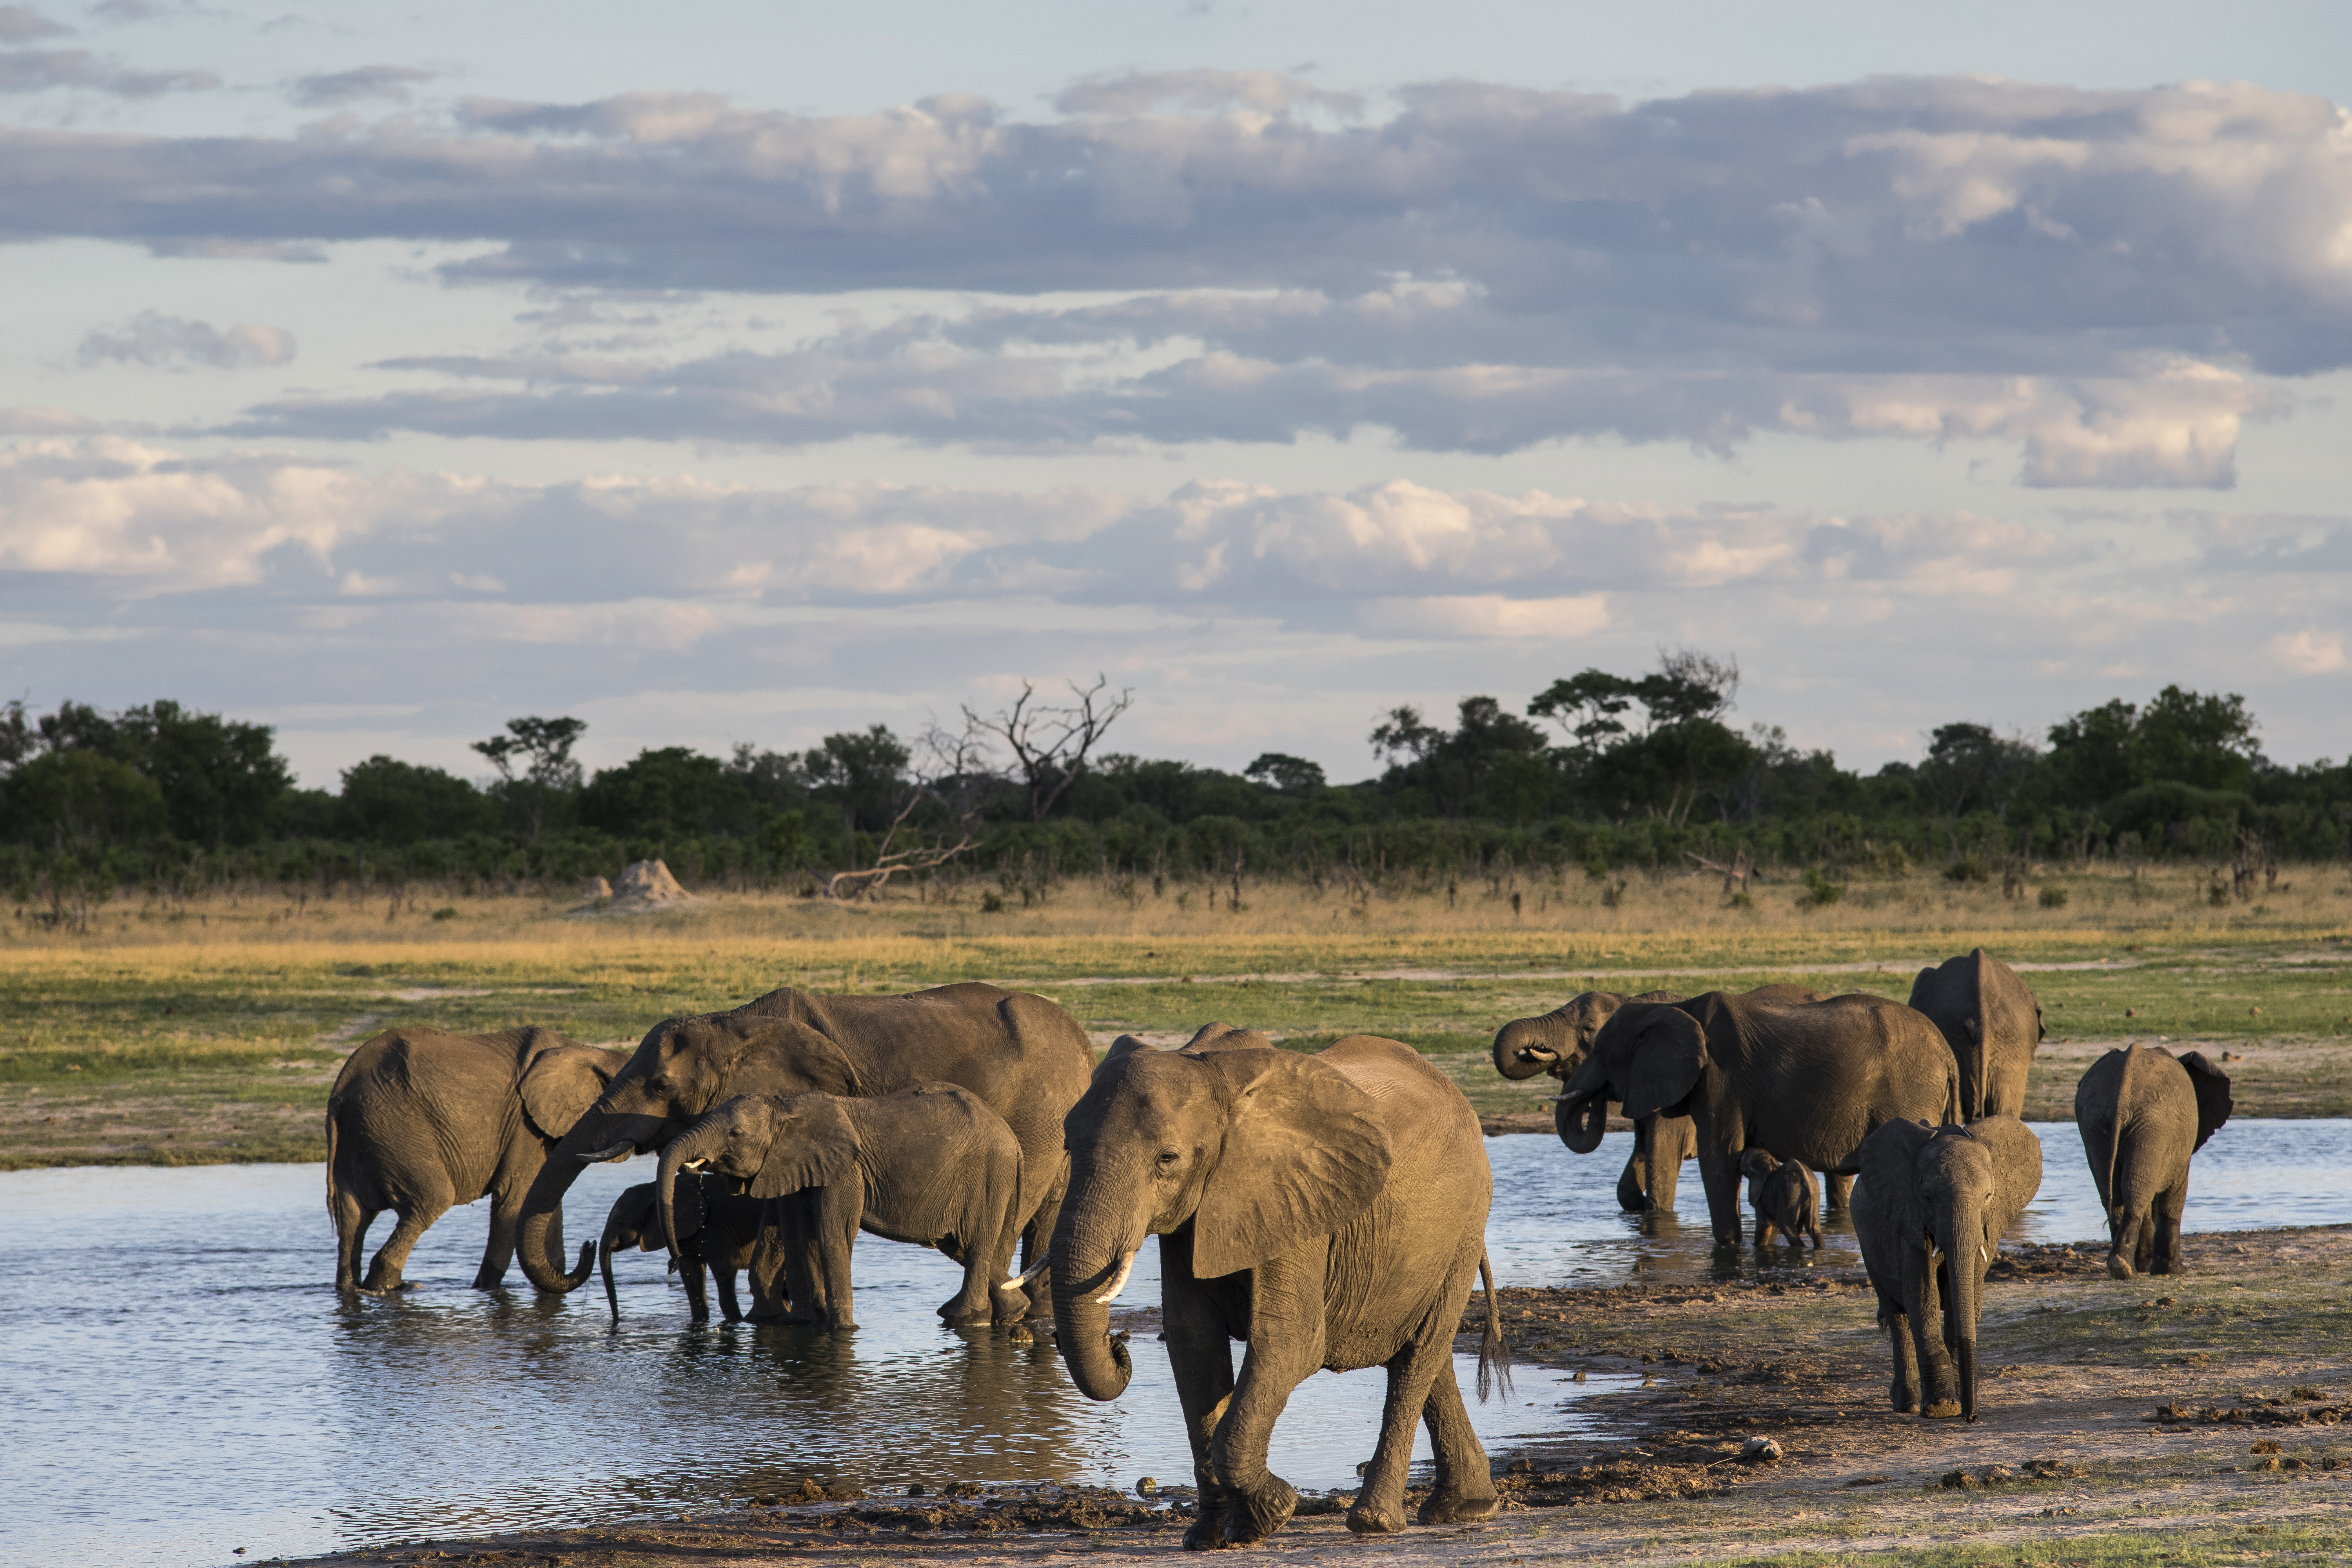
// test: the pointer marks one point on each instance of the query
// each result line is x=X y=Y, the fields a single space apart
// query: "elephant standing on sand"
x=929 y=1165
x=716 y=1230
x=1993 y=1024
x=2142 y=1113
x=1327 y=1211
x=420 y=1121
x=1807 y=1080
x=1557 y=1043
x=1935 y=1203
x=1025 y=1057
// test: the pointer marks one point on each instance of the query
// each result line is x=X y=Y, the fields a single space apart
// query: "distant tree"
x=1285 y=773
x=218 y=778
x=668 y=793
x=2207 y=742
x=1489 y=744
x=2090 y=754
x=859 y=775
x=534 y=763
x=1681 y=749
x=1050 y=743
x=81 y=800
x=1970 y=768
x=387 y=800
x=777 y=780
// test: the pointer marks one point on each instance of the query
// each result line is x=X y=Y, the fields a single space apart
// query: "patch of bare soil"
x=2201 y=1416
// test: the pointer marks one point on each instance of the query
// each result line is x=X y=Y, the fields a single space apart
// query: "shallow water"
x=182 y=1380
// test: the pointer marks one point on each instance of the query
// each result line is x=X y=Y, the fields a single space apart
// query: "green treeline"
x=1600 y=773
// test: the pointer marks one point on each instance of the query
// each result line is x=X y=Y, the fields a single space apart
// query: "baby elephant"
x=1930 y=1210
x=1785 y=1196
x=2142 y=1113
x=720 y=1231
x=931 y=1164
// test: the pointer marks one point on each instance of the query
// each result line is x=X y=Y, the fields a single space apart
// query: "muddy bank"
x=2173 y=1418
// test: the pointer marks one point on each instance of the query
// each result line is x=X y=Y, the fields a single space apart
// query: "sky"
x=741 y=374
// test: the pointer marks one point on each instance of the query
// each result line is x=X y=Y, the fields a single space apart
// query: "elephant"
x=1808 y=1080
x=420 y=1121
x=1993 y=1024
x=930 y=1164
x=2142 y=1113
x=1025 y=1057
x=1328 y=1210
x=1935 y=1203
x=1784 y=1198
x=720 y=1231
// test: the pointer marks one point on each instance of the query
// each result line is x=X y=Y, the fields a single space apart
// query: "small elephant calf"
x=715 y=1229
x=1785 y=1196
x=2142 y=1113
x=931 y=1164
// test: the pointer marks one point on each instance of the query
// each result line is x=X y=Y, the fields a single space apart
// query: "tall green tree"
x=535 y=764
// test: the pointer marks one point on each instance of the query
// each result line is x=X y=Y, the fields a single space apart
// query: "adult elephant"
x=1025 y=1057
x=420 y=1121
x=1992 y=1022
x=1557 y=1043
x=1804 y=1081
x=1327 y=1210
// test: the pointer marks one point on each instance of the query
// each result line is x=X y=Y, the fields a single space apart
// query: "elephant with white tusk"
x=1932 y=1206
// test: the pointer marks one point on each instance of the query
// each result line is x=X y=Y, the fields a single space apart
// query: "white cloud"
x=151 y=338
x=2308 y=652
x=1485 y=615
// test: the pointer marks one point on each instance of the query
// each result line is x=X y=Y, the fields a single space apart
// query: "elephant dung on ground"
x=1783 y=1196
x=716 y=1230
x=1327 y=1210
x=1993 y=1024
x=2142 y=1113
x=1025 y=1057
x=1807 y=1080
x=420 y=1121
x=1933 y=1202
x=930 y=1164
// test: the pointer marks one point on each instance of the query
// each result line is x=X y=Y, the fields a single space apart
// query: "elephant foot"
x=1251 y=1517
x=2118 y=1265
x=1905 y=1400
x=1446 y=1506
x=1366 y=1518
x=1942 y=1409
x=1207 y=1530
x=956 y=1315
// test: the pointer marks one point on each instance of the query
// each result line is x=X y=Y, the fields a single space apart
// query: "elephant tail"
x=1494 y=1351
x=2115 y=1134
x=334 y=1205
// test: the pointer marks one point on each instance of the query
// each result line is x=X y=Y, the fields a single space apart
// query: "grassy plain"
x=210 y=1031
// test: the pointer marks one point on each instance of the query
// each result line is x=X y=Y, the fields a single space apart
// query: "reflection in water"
x=181 y=1323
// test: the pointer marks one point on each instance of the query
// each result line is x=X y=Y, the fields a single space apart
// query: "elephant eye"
x=1167 y=1158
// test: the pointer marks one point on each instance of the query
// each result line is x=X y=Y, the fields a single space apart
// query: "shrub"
x=1968 y=868
x=2053 y=897
x=1819 y=890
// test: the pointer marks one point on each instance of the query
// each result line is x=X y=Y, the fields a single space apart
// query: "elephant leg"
x=1379 y=1499
x=690 y=1270
x=839 y=1207
x=1939 y=1392
x=498 y=1252
x=1837 y=1191
x=352 y=1224
x=1904 y=1392
x=2144 y=1249
x=771 y=1294
x=1719 y=1173
x=1285 y=1345
x=2169 y=1256
x=1673 y=1140
x=723 y=1276
x=1201 y=1355
x=1634 y=1185
x=383 y=1274
x=1465 y=1483
x=1036 y=1237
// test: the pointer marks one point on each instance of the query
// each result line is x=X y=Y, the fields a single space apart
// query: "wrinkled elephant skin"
x=2142 y=1113
x=1992 y=1021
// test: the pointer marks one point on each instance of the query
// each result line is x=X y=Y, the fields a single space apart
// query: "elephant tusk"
x=701 y=1164
x=1015 y=1281
x=1126 y=1267
x=1537 y=1054
x=620 y=1150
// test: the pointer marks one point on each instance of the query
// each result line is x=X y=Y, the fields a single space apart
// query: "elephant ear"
x=1889 y=1171
x=560 y=1086
x=2213 y=1101
x=1303 y=1157
x=796 y=1059
x=815 y=1145
x=688 y=1208
x=1756 y=1163
x=1669 y=1055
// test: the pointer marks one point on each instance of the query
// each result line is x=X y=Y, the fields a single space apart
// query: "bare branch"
x=1049 y=744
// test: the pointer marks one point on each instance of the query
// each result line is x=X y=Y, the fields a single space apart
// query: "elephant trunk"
x=1526 y=1047
x=1089 y=1264
x=604 y=1263
x=1961 y=1238
x=697 y=1143
x=538 y=1231
x=1580 y=1114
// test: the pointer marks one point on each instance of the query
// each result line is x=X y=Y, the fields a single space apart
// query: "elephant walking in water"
x=1327 y=1211
x=716 y=1230
x=420 y=1121
x=1026 y=1058
x=1992 y=1021
x=1807 y=1080
x=2142 y=1113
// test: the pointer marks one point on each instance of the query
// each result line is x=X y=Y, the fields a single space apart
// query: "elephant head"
x=681 y=1068
x=1650 y=1055
x=1784 y=1196
x=1258 y=1150
x=763 y=1145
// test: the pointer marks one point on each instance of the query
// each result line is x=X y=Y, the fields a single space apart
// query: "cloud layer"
x=2105 y=280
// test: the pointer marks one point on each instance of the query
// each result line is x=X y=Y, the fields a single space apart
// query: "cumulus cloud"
x=2309 y=652
x=38 y=71
x=22 y=24
x=339 y=88
x=155 y=339
x=2103 y=280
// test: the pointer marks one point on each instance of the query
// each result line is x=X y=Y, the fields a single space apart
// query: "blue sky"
x=726 y=377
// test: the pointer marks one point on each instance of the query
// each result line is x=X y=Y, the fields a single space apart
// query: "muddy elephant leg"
x=1719 y=1173
x=1380 y=1500
x=2166 y=1222
x=1634 y=1185
x=1285 y=1345
x=723 y=1276
x=1940 y=1386
x=834 y=1222
x=1201 y=1355
x=1837 y=1191
x=383 y=1274
x=1903 y=1391
x=770 y=1292
x=352 y=1224
x=1673 y=1140
x=1464 y=1491
x=689 y=1273
x=498 y=1252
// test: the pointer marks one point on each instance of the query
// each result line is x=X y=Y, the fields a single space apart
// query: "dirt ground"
x=2191 y=1418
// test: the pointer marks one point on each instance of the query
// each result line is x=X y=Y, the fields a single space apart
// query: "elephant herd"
x=1327 y=1209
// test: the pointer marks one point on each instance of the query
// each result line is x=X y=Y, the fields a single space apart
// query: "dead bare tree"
x=953 y=781
x=1050 y=743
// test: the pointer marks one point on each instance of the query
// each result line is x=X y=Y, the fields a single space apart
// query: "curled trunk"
x=1085 y=1260
x=697 y=1143
x=538 y=1230
x=1580 y=1122
x=1523 y=1049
